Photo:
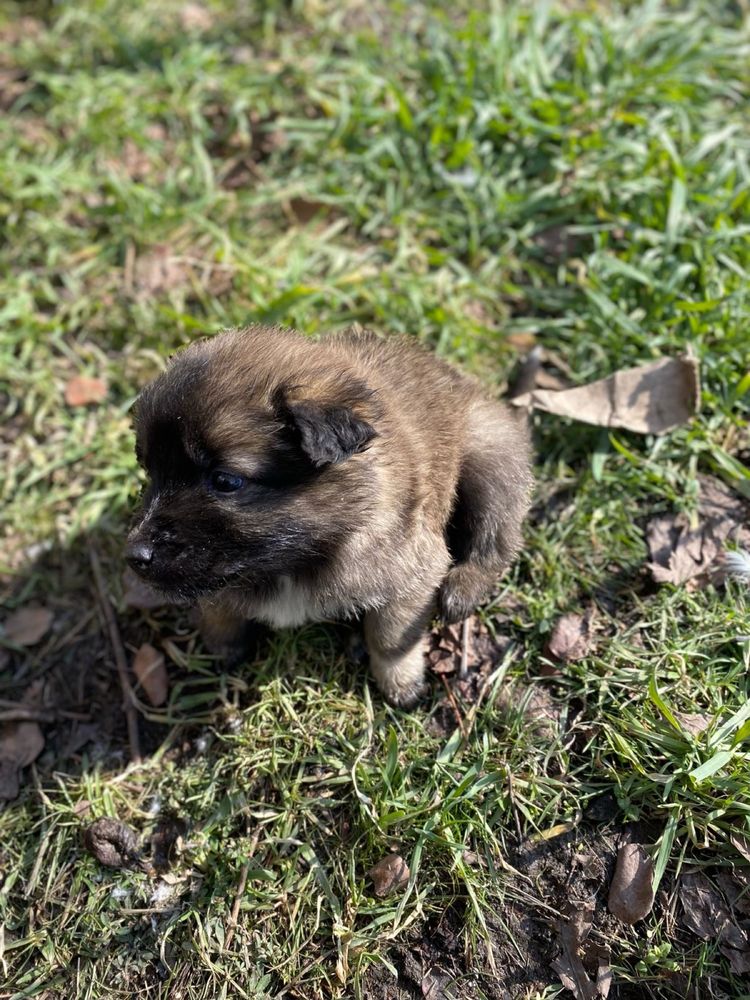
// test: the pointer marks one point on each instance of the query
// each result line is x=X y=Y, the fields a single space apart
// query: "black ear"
x=329 y=434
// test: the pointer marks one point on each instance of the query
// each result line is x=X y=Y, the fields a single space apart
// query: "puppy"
x=294 y=480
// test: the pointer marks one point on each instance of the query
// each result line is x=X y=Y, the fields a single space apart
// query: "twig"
x=120 y=658
x=513 y=806
x=233 y=917
x=463 y=669
x=22 y=714
x=128 y=270
x=454 y=706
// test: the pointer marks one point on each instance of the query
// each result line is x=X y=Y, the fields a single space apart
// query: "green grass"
x=440 y=141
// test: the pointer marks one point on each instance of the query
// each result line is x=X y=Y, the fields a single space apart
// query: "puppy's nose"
x=139 y=554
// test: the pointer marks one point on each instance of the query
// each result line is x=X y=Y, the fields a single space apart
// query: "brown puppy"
x=294 y=480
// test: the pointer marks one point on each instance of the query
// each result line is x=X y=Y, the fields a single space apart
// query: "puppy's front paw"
x=401 y=680
x=240 y=646
x=460 y=592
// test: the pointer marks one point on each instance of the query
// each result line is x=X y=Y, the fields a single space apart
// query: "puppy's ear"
x=328 y=434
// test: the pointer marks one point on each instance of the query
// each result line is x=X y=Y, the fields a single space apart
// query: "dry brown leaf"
x=572 y=932
x=680 y=551
x=693 y=722
x=82 y=390
x=138 y=594
x=706 y=914
x=304 y=210
x=631 y=894
x=389 y=875
x=571 y=638
x=26 y=626
x=195 y=17
x=151 y=671
x=160 y=271
x=20 y=744
x=650 y=399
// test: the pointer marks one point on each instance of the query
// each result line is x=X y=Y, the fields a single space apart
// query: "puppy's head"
x=253 y=443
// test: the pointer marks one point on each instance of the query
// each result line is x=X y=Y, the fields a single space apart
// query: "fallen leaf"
x=151 y=671
x=20 y=744
x=631 y=894
x=195 y=17
x=478 y=312
x=650 y=399
x=304 y=210
x=572 y=932
x=706 y=914
x=388 y=875
x=82 y=390
x=160 y=271
x=112 y=843
x=681 y=551
x=571 y=638
x=693 y=722
x=26 y=626
x=138 y=594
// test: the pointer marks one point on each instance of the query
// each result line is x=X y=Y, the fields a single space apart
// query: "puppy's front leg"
x=394 y=640
x=227 y=633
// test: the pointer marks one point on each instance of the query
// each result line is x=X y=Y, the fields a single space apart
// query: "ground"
x=485 y=178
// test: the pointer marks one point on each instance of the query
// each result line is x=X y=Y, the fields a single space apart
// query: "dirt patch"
x=523 y=924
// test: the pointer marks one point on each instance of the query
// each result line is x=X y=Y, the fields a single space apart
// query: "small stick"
x=118 y=649
x=129 y=268
x=454 y=706
x=233 y=917
x=463 y=669
x=513 y=806
x=21 y=714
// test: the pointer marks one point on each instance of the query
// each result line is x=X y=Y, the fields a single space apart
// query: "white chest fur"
x=290 y=606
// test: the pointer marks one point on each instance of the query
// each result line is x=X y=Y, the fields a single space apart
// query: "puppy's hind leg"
x=493 y=496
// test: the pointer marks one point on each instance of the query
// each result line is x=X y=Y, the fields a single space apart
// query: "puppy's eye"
x=226 y=482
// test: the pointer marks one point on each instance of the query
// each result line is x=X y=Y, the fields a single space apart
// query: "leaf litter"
x=27 y=626
x=20 y=745
x=683 y=551
x=706 y=913
x=571 y=638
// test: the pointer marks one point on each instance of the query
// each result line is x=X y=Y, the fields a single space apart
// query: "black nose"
x=139 y=554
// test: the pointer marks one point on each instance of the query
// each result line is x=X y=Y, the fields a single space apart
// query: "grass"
x=480 y=176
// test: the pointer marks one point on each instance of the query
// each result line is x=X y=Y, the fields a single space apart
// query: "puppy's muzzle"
x=139 y=554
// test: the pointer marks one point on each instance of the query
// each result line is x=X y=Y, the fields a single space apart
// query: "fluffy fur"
x=376 y=480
